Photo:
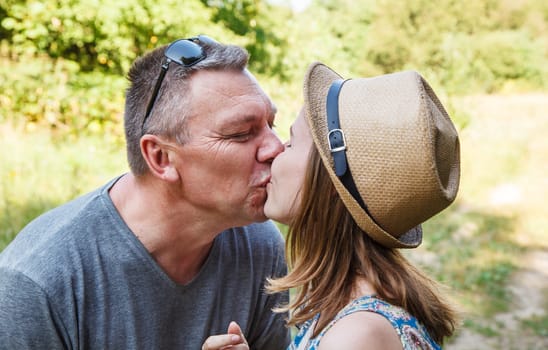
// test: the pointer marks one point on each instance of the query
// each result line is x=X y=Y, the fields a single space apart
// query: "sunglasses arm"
x=165 y=67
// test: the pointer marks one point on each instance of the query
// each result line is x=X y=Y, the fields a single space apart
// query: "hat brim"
x=317 y=82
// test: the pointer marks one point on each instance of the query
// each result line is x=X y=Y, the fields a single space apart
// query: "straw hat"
x=396 y=149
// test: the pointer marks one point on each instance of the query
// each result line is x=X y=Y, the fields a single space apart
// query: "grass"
x=39 y=173
x=473 y=253
x=474 y=247
x=537 y=324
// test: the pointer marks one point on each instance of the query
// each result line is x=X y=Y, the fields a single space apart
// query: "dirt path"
x=517 y=122
x=529 y=288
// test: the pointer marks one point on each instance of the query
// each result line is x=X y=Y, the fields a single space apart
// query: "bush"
x=54 y=95
x=97 y=35
x=488 y=61
x=62 y=62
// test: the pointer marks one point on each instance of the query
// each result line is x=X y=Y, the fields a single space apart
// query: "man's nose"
x=270 y=147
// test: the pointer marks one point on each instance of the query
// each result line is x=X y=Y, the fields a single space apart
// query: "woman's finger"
x=216 y=342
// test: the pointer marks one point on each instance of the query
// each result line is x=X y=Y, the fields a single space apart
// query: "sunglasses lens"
x=185 y=52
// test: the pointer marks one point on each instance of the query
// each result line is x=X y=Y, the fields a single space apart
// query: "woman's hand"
x=234 y=339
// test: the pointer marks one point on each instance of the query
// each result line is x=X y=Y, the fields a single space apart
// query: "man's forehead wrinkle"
x=253 y=103
x=209 y=90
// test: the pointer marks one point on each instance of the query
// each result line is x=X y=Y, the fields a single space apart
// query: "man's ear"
x=159 y=157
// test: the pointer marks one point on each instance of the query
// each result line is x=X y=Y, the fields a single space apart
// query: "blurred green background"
x=62 y=74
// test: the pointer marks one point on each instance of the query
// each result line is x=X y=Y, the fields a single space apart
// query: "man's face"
x=225 y=164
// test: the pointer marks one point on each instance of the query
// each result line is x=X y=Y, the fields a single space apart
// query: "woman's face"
x=288 y=172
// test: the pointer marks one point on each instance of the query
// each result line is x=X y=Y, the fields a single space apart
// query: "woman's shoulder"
x=377 y=324
x=361 y=329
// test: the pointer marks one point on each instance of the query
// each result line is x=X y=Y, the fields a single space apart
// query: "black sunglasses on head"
x=185 y=52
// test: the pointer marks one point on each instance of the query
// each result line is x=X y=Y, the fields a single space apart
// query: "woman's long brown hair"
x=327 y=252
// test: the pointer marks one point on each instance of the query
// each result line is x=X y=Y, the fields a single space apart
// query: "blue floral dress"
x=412 y=334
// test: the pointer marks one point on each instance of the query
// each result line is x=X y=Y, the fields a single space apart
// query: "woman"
x=368 y=161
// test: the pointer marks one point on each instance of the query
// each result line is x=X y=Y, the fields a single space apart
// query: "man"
x=166 y=255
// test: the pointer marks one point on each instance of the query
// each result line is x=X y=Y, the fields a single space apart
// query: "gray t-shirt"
x=78 y=278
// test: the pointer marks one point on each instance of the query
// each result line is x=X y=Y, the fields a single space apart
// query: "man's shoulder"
x=49 y=239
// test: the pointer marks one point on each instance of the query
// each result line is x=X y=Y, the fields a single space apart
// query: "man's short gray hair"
x=170 y=111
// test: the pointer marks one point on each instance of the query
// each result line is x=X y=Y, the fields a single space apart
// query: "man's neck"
x=178 y=238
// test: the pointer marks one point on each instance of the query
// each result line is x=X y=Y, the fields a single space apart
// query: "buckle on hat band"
x=337 y=141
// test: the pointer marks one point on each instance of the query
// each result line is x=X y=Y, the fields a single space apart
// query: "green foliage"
x=237 y=15
x=538 y=324
x=62 y=62
x=256 y=22
x=100 y=34
x=489 y=329
x=107 y=36
x=460 y=239
x=52 y=94
x=495 y=59
x=332 y=32
x=80 y=51
x=479 y=49
x=35 y=181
